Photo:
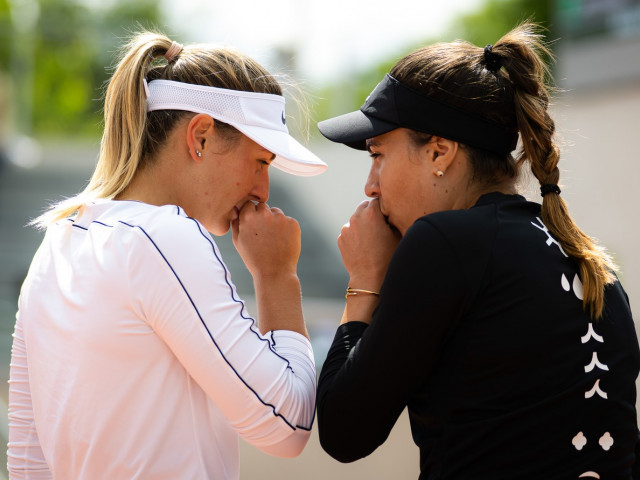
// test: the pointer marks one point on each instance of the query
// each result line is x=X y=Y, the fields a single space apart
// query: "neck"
x=154 y=184
x=507 y=187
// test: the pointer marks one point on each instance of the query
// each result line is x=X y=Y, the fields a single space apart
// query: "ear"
x=199 y=133
x=443 y=152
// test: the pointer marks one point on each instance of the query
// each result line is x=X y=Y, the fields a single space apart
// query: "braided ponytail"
x=521 y=52
x=506 y=83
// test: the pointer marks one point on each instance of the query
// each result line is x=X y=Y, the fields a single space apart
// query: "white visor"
x=260 y=116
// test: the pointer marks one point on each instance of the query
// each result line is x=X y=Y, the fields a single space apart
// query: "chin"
x=395 y=227
x=217 y=229
x=391 y=223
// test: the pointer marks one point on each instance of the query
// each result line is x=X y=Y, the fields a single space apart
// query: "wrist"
x=273 y=285
x=278 y=275
x=372 y=283
x=359 y=307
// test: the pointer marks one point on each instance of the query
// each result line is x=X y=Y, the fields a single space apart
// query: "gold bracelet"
x=355 y=291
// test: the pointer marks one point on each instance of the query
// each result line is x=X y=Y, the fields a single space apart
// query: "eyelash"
x=374 y=154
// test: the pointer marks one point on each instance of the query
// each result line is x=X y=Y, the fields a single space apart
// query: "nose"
x=260 y=191
x=372 y=186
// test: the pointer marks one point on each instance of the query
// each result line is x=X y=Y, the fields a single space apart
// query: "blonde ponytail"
x=124 y=125
x=131 y=136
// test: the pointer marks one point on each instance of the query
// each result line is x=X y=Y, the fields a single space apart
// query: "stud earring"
x=198 y=153
x=439 y=173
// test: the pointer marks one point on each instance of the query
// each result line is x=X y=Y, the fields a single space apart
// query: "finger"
x=277 y=210
x=361 y=206
x=375 y=203
x=247 y=207
x=235 y=229
x=373 y=211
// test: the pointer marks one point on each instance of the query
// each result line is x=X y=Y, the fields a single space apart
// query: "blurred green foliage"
x=55 y=57
x=497 y=17
x=5 y=27
x=485 y=25
x=56 y=54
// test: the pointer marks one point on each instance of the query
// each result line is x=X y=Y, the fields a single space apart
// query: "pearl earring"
x=440 y=173
x=198 y=153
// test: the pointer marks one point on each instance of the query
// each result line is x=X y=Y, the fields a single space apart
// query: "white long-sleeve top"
x=134 y=357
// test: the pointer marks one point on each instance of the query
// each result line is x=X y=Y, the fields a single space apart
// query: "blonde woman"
x=495 y=321
x=133 y=355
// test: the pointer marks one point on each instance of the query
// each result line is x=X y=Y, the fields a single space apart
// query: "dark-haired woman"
x=495 y=321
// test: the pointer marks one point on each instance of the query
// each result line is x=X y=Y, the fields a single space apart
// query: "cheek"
x=236 y=180
x=393 y=182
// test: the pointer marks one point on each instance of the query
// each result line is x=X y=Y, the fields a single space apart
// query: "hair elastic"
x=173 y=51
x=492 y=61
x=549 y=188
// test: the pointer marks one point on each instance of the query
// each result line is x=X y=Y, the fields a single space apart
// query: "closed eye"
x=270 y=158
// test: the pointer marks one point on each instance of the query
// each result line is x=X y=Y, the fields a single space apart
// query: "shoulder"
x=137 y=225
x=459 y=229
x=167 y=240
x=170 y=231
x=470 y=240
x=493 y=215
x=169 y=223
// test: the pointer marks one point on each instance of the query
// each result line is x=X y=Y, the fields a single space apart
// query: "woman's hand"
x=267 y=240
x=269 y=243
x=367 y=243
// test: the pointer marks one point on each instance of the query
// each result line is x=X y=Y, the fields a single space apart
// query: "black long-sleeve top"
x=480 y=332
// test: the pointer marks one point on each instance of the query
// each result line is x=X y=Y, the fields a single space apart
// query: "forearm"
x=345 y=425
x=292 y=394
x=279 y=301
x=264 y=385
x=25 y=458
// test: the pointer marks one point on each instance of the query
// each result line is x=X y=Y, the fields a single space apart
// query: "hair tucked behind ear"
x=506 y=84
x=131 y=135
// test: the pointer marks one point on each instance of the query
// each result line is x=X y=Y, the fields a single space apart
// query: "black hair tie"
x=492 y=62
x=549 y=188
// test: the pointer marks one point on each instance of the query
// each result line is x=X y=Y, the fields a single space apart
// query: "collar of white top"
x=260 y=116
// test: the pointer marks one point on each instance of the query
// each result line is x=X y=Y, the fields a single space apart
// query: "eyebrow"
x=273 y=155
x=371 y=143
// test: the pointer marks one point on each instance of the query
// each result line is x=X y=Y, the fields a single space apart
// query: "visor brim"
x=291 y=156
x=353 y=129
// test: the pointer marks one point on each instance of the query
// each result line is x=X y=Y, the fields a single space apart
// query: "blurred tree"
x=497 y=17
x=58 y=58
x=5 y=29
x=485 y=25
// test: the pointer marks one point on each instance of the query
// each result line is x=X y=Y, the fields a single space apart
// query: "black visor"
x=393 y=105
